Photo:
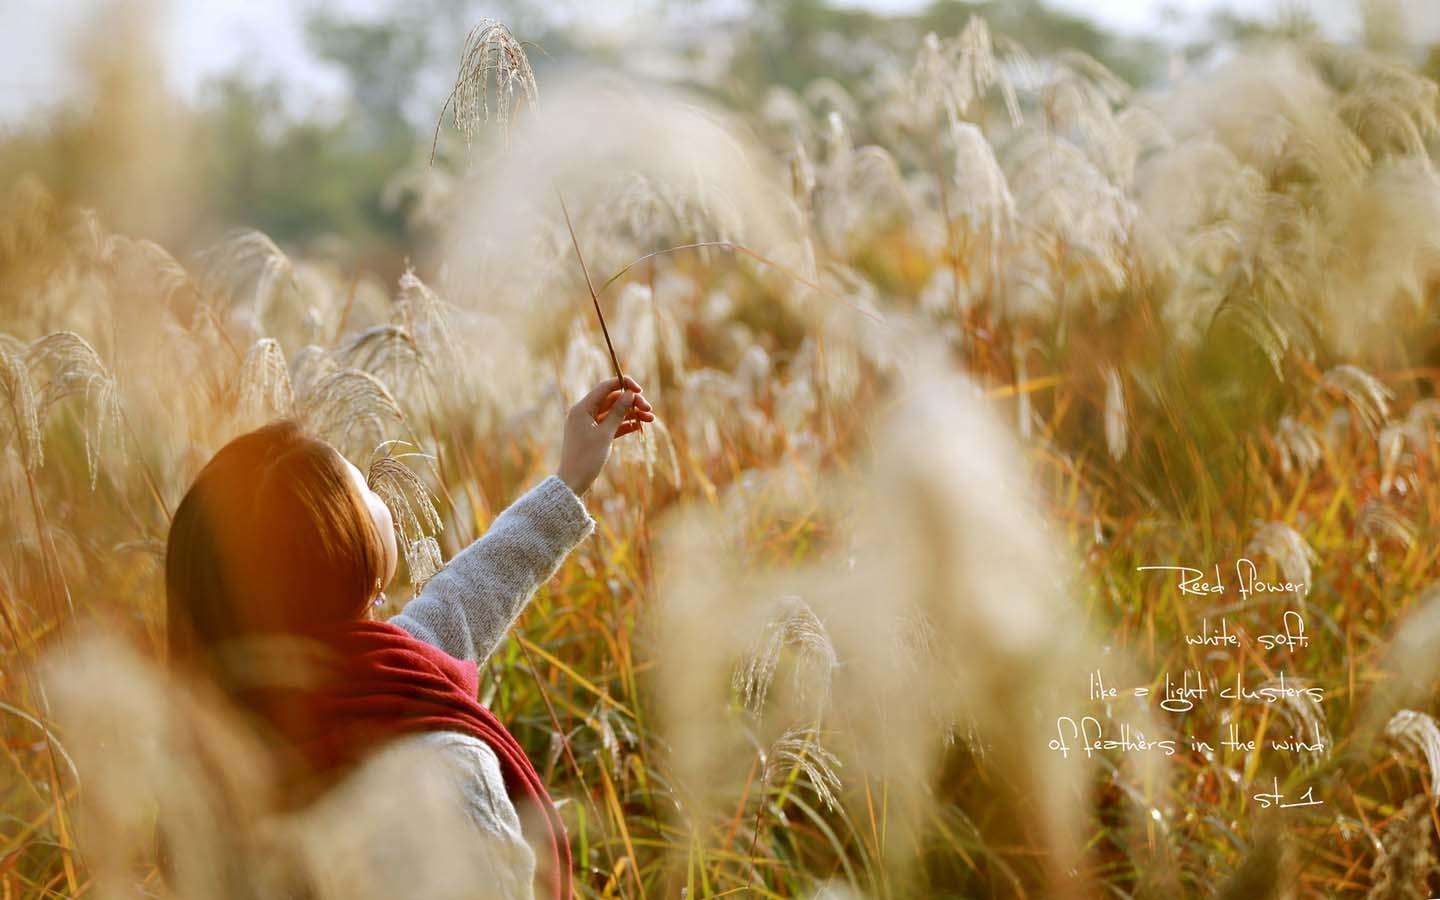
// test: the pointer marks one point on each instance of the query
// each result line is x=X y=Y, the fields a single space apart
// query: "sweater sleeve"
x=469 y=605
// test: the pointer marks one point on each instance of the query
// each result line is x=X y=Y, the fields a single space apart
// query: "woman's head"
x=279 y=534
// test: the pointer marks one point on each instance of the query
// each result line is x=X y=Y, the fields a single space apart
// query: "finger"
x=606 y=404
x=627 y=428
x=636 y=414
x=593 y=401
x=629 y=384
x=641 y=406
x=615 y=418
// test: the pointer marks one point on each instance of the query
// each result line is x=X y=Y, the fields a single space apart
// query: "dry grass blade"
x=594 y=298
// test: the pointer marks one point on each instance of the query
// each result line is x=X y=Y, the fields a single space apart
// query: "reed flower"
x=416 y=519
x=492 y=63
x=352 y=408
x=67 y=365
x=1290 y=551
x=1417 y=731
x=264 y=390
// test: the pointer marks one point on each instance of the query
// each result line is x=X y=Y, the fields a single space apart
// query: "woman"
x=281 y=544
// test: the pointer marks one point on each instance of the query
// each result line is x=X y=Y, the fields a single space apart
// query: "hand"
x=612 y=409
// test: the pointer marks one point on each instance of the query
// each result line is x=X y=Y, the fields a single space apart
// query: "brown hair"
x=273 y=538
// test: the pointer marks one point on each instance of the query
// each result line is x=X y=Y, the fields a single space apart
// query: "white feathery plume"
x=1418 y=731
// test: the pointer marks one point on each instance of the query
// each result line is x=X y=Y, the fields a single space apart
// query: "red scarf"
x=387 y=683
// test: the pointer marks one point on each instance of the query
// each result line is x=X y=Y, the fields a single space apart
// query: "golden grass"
x=937 y=367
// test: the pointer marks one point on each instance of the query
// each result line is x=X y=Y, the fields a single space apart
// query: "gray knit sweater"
x=465 y=610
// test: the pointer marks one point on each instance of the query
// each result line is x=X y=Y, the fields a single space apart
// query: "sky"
x=206 y=37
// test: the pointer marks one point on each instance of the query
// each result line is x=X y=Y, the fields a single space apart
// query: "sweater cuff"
x=560 y=512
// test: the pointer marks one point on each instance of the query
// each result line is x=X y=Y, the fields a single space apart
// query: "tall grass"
x=938 y=365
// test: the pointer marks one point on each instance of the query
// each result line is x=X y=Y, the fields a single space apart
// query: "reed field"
x=939 y=365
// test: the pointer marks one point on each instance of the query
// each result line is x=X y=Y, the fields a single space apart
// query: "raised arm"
x=467 y=608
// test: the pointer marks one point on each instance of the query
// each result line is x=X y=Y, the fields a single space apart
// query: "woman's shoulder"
x=470 y=754
x=456 y=742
